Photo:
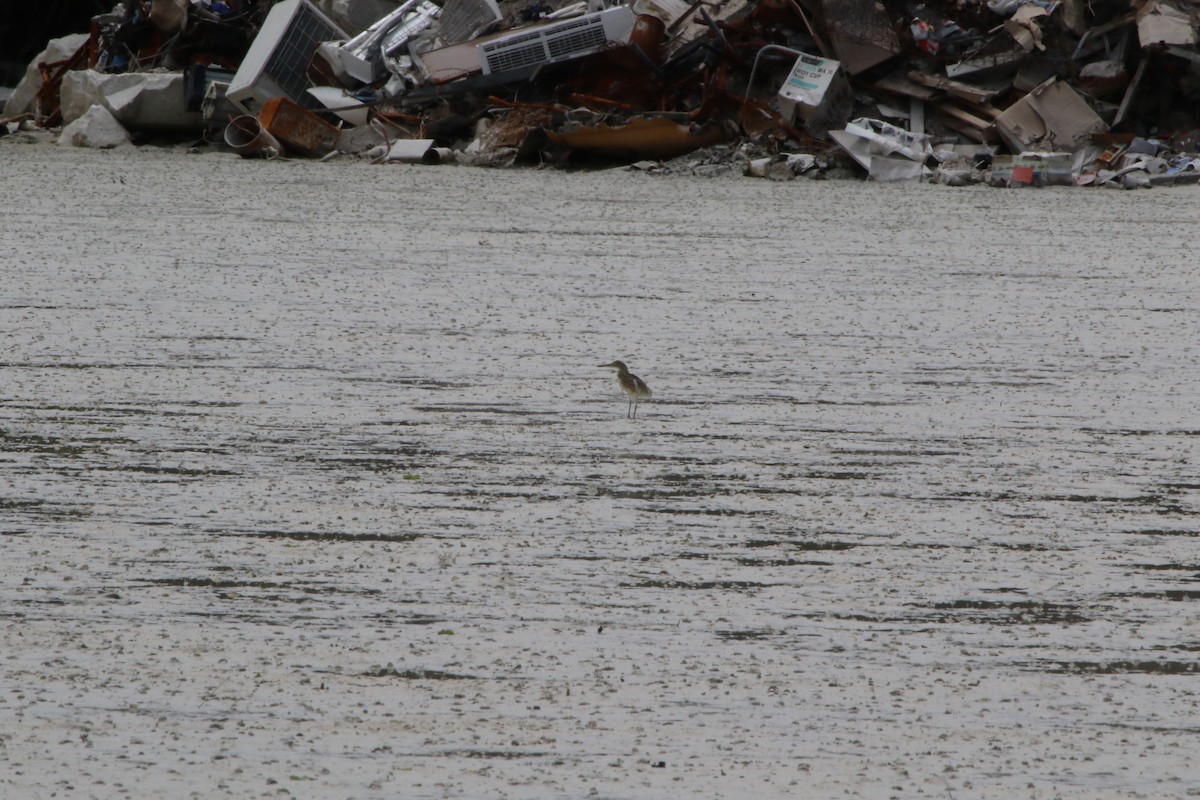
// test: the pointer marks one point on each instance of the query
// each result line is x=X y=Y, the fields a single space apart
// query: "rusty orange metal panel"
x=299 y=129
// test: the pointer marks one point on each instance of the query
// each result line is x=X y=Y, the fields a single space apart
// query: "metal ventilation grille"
x=295 y=49
x=463 y=19
x=526 y=50
x=584 y=37
x=560 y=42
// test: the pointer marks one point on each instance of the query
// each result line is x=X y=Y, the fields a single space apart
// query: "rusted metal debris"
x=1029 y=85
x=658 y=138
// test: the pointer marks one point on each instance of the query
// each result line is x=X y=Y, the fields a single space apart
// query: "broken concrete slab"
x=22 y=97
x=138 y=100
x=96 y=127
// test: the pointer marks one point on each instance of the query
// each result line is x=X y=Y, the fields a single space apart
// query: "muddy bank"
x=311 y=485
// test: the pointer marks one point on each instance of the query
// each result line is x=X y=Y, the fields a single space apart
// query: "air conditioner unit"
x=558 y=41
x=463 y=20
x=362 y=56
x=276 y=64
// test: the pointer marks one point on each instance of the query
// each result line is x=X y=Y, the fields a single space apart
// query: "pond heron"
x=634 y=386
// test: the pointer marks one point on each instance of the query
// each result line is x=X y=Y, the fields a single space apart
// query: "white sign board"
x=806 y=86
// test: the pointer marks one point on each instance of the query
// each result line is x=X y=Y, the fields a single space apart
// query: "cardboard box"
x=1052 y=116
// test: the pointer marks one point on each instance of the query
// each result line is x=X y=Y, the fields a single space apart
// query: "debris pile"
x=1008 y=92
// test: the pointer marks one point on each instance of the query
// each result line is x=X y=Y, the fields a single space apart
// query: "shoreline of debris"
x=1006 y=93
x=1143 y=169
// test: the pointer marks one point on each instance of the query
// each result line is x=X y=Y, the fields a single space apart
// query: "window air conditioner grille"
x=295 y=49
x=516 y=57
x=569 y=39
x=589 y=38
x=463 y=19
x=276 y=63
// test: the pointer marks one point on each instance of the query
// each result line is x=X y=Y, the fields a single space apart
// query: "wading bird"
x=634 y=386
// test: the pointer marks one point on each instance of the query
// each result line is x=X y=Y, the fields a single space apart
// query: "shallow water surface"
x=310 y=484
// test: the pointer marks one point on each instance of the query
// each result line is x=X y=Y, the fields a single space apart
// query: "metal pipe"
x=774 y=48
x=247 y=136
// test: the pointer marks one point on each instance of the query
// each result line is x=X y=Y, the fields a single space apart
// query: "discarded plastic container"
x=298 y=128
x=411 y=151
x=1034 y=168
x=348 y=107
x=1021 y=176
x=249 y=139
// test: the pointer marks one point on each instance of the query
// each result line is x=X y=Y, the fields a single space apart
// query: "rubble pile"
x=1008 y=92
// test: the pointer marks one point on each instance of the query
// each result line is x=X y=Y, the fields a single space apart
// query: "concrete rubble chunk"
x=96 y=127
x=139 y=100
x=21 y=99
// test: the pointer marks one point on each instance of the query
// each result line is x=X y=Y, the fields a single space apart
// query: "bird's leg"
x=635 y=402
x=629 y=409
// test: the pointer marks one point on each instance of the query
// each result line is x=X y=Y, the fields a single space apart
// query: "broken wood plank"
x=987 y=110
x=1130 y=92
x=981 y=135
x=826 y=51
x=962 y=116
x=966 y=91
x=898 y=84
